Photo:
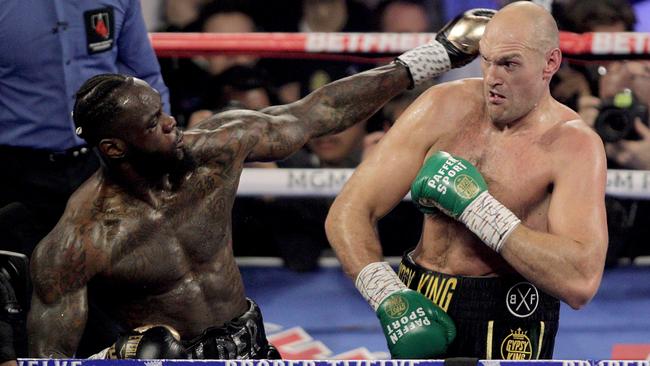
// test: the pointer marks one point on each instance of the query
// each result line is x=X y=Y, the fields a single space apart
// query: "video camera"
x=615 y=120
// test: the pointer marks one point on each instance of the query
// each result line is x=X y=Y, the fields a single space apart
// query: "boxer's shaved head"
x=529 y=19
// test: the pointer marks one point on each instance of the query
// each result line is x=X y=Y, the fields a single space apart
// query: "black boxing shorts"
x=496 y=317
x=242 y=338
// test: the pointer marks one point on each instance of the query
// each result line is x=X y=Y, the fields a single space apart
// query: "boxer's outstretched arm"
x=276 y=132
x=329 y=109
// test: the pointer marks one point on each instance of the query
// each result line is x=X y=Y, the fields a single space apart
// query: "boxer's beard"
x=155 y=165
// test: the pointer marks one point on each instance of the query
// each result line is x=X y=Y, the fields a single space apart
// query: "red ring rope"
x=586 y=45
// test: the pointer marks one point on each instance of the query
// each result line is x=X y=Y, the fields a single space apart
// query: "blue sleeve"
x=135 y=54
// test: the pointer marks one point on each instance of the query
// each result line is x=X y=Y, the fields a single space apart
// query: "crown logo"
x=519 y=334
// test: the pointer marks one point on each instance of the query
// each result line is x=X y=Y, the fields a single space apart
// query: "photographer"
x=620 y=115
x=629 y=145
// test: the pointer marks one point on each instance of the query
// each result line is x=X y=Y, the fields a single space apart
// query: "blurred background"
x=280 y=241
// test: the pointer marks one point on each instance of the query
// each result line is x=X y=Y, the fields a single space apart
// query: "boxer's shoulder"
x=452 y=102
x=462 y=94
x=572 y=143
x=64 y=261
x=572 y=136
x=221 y=137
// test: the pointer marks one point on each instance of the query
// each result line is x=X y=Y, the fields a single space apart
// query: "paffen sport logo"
x=522 y=299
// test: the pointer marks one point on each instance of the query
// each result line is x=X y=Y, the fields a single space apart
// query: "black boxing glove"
x=456 y=44
x=149 y=342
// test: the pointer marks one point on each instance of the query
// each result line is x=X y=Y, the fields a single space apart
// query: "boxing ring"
x=36 y=362
x=318 y=318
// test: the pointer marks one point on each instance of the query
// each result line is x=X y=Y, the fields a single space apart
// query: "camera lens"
x=613 y=124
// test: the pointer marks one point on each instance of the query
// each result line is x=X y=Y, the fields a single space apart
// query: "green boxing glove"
x=454 y=186
x=415 y=327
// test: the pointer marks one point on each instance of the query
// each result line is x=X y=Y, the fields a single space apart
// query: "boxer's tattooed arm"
x=330 y=109
x=276 y=132
x=61 y=267
x=340 y=104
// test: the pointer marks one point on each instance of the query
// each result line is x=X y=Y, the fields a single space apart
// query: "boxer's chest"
x=188 y=230
x=516 y=168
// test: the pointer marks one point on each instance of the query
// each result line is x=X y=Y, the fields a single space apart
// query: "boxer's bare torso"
x=163 y=260
x=519 y=167
x=149 y=237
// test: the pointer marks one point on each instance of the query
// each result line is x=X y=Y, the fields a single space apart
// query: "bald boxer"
x=148 y=237
x=512 y=184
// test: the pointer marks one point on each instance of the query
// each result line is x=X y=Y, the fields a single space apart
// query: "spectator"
x=580 y=16
x=298 y=224
x=620 y=77
x=179 y=14
x=401 y=16
x=216 y=18
x=297 y=78
x=586 y=88
x=628 y=218
x=247 y=86
x=187 y=77
x=47 y=49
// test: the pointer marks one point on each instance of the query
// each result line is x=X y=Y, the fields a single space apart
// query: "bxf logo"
x=522 y=299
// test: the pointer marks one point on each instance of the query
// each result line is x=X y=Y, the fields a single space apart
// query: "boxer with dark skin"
x=150 y=232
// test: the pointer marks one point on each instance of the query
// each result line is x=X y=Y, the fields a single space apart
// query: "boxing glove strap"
x=426 y=61
x=376 y=282
x=490 y=220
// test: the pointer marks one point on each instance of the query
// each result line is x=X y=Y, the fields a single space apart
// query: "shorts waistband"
x=480 y=298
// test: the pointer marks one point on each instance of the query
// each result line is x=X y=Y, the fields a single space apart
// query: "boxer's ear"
x=553 y=59
x=112 y=148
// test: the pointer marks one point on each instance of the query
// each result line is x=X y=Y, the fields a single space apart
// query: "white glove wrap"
x=376 y=282
x=490 y=220
x=426 y=62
